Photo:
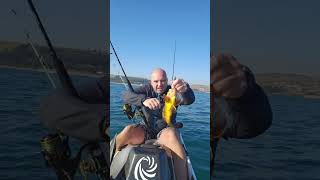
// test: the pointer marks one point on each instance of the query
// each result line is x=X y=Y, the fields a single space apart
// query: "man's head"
x=159 y=80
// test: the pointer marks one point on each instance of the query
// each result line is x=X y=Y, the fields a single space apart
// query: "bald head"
x=158 y=71
x=159 y=80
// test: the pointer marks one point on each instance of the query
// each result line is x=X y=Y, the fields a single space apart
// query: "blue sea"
x=21 y=130
x=195 y=131
x=289 y=149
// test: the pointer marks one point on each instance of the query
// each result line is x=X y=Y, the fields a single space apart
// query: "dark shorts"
x=148 y=133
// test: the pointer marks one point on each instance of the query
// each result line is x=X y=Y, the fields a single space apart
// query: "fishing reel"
x=55 y=147
x=131 y=113
x=127 y=110
x=56 y=152
x=96 y=164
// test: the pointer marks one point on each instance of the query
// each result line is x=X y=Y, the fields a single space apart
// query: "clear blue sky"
x=73 y=23
x=143 y=33
x=270 y=35
x=266 y=35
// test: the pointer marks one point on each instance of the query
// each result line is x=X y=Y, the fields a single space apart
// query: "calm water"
x=290 y=149
x=20 y=131
x=196 y=130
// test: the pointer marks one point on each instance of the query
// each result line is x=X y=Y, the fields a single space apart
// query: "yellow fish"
x=170 y=106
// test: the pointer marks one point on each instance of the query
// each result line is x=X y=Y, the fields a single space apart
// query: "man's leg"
x=131 y=134
x=169 y=138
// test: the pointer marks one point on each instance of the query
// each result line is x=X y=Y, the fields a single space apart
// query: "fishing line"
x=117 y=73
x=42 y=62
x=141 y=111
x=174 y=61
x=40 y=58
x=58 y=64
x=125 y=75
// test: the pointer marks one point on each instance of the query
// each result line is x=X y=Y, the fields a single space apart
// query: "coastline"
x=72 y=72
x=311 y=97
x=195 y=87
x=200 y=88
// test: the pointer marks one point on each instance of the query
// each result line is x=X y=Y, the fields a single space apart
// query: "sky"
x=73 y=23
x=269 y=35
x=266 y=35
x=144 y=33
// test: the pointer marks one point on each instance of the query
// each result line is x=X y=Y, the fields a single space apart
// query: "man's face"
x=159 y=81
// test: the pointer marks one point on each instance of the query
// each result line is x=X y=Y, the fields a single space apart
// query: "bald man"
x=151 y=96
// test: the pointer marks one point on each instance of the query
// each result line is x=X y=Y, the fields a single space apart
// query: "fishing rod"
x=127 y=108
x=58 y=64
x=125 y=75
x=37 y=54
x=42 y=62
x=174 y=61
x=123 y=82
x=55 y=147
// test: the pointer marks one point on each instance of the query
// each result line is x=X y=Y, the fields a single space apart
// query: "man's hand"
x=227 y=77
x=179 y=85
x=152 y=103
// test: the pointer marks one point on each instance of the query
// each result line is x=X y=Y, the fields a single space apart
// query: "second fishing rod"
x=62 y=73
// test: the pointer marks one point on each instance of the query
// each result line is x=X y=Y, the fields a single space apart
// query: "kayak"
x=191 y=173
x=145 y=162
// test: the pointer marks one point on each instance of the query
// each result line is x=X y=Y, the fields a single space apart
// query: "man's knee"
x=135 y=134
x=129 y=129
x=169 y=135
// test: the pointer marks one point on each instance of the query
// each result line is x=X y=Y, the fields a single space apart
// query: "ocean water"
x=195 y=131
x=20 y=128
x=289 y=149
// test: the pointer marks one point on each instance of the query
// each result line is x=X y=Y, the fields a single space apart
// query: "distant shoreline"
x=194 y=89
x=72 y=72
x=200 y=88
x=311 y=97
x=308 y=89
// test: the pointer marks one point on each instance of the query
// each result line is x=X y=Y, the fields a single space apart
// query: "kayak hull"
x=145 y=161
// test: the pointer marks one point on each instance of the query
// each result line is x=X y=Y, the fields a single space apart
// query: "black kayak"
x=144 y=162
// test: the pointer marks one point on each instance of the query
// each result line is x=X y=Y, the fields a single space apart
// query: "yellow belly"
x=170 y=103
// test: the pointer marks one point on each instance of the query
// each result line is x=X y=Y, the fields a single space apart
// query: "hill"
x=290 y=84
x=21 y=55
x=138 y=80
